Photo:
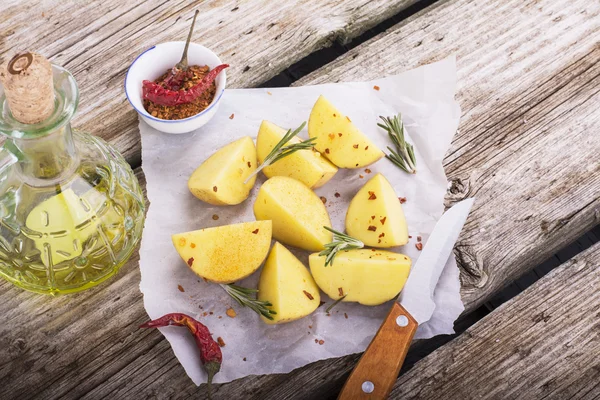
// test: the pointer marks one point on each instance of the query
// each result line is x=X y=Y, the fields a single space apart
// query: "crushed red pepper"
x=182 y=94
x=190 y=261
x=372 y=195
x=372 y=228
x=402 y=200
x=337 y=195
x=382 y=220
x=310 y=296
x=419 y=246
x=255 y=231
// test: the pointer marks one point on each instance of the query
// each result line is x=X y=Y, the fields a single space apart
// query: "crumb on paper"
x=310 y=327
x=410 y=237
x=270 y=94
x=210 y=313
x=204 y=314
x=376 y=87
x=418 y=238
x=321 y=342
x=345 y=315
x=244 y=359
x=181 y=289
x=419 y=246
x=402 y=200
x=231 y=116
x=323 y=199
x=316 y=340
x=221 y=341
x=230 y=312
x=220 y=317
x=367 y=170
x=360 y=176
x=337 y=195
x=215 y=217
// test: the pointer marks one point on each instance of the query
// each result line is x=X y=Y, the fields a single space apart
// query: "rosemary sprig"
x=404 y=155
x=243 y=296
x=280 y=151
x=335 y=303
x=340 y=241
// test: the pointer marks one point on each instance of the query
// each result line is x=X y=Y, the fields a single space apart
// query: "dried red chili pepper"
x=210 y=351
x=159 y=95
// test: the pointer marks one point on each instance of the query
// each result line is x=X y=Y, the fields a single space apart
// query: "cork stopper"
x=28 y=86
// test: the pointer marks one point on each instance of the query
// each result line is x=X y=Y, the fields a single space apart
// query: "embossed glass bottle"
x=71 y=209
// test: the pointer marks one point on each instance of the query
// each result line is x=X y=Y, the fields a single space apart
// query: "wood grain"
x=544 y=343
x=97 y=41
x=382 y=360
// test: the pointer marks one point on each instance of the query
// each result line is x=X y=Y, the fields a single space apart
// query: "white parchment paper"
x=424 y=96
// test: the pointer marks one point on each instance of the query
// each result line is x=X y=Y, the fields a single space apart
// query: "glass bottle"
x=71 y=209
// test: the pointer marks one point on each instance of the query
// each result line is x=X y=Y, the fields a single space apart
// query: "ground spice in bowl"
x=192 y=77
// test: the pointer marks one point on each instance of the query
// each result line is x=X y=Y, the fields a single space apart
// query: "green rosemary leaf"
x=244 y=296
x=404 y=156
x=335 y=303
x=280 y=151
x=340 y=241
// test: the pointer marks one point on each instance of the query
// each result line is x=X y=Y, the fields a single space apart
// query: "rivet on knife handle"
x=378 y=368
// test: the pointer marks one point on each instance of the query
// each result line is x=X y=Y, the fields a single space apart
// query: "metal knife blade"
x=417 y=296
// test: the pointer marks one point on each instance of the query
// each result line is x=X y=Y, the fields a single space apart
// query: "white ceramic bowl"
x=154 y=62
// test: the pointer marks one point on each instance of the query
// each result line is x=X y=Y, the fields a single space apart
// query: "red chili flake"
x=348 y=119
x=382 y=234
x=214 y=189
x=341 y=291
x=323 y=199
x=310 y=296
x=372 y=217
x=355 y=146
x=376 y=87
x=337 y=195
x=255 y=231
x=221 y=341
x=339 y=134
x=219 y=317
x=368 y=171
x=249 y=164
x=372 y=195
x=211 y=313
x=372 y=228
x=157 y=94
x=345 y=315
x=378 y=240
x=316 y=340
x=231 y=116
x=410 y=237
x=366 y=147
x=190 y=261
x=321 y=342
x=181 y=289
x=326 y=151
x=360 y=176
x=402 y=200
x=419 y=246
x=310 y=327
x=418 y=238
x=215 y=217
x=331 y=136
x=192 y=245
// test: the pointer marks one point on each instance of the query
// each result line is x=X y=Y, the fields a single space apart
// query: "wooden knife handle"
x=378 y=368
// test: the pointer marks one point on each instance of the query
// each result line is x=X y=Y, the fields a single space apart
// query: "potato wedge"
x=307 y=166
x=339 y=139
x=220 y=179
x=375 y=215
x=226 y=253
x=364 y=276
x=298 y=214
x=288 y=285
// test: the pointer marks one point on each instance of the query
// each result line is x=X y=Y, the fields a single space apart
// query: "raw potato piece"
x=307 y=166
x=227 y=253
x=365 y=276
x=298 y=214
x=287 y=284
x=339 y=139
x=220 y=179
x=375 y=215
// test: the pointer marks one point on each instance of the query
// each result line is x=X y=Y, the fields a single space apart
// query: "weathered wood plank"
x=544 y=343
x=97 y=40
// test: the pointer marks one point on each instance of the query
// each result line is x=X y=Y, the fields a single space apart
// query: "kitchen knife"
x=378 y=368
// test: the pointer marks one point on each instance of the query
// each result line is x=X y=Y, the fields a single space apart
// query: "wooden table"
x=528 y=147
